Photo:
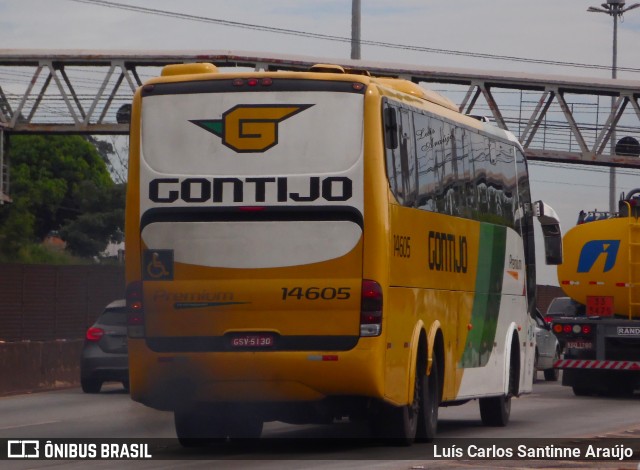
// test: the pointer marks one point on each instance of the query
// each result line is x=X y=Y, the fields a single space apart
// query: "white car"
x=547 y=349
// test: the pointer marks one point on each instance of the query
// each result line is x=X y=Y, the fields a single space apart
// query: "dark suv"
x=104 y=355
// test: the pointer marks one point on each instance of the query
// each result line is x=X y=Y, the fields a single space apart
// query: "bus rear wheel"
x=418 y=421
x=399 y=424
x=429 y=404
x=193 y=427
x=202 y=425
x=396 y=424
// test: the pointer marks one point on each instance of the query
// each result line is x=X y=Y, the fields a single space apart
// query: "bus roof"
x=206 y=70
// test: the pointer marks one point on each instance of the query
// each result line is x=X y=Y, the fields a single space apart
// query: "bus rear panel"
x=251 y=241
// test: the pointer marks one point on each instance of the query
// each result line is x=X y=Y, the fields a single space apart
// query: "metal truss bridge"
x=556 y=118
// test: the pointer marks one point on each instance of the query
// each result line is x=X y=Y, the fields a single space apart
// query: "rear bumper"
x=116 y=375
x=170 y=381
x=105 y=366
x=593 y=364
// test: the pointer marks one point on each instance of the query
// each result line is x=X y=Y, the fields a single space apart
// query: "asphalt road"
x=551 y=411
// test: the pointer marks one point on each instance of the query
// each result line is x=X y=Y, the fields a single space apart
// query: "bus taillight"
x=135 y=308
x=371 y=310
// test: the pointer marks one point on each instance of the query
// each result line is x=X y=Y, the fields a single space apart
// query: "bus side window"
x=524 y=223
x=442 y=167
x=408 y=157
x=390 y=126
x=449 y=175
x=463 y=157
x=426 y=163
x=481 y=162
x=506 y=158
x=400 y=154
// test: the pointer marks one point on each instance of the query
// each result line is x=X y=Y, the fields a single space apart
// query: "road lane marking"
x=27 y=425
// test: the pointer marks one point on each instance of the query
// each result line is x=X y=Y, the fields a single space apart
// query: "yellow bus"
x=305 y=246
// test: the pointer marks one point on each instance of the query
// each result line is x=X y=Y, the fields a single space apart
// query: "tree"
x=114 y=150
x=100 y=221
x=56 y=180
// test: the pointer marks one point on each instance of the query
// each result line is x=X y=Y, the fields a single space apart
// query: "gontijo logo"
x=592 y=250
x=250 y=128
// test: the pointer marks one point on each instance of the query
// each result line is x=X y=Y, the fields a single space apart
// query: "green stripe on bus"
x=486 y=303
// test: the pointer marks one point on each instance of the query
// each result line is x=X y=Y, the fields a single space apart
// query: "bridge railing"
x=570 y=119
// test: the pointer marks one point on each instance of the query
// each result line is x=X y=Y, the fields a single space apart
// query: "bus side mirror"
x=390 y=128
x=551 y=232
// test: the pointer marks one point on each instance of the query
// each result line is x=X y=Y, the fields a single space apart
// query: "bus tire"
x=398 y=425
x=429 y=405
x=495 y=411
x=201 y=426
x=195 y=427
x=248 y=426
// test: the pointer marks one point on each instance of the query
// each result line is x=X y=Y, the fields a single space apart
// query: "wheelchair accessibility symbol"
x=157 y=265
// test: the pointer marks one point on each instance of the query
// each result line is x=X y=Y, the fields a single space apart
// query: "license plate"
x=579 y=345
x=252 y=340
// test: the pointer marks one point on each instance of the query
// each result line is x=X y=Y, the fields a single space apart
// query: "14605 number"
x=316 y=293
x=402 y=246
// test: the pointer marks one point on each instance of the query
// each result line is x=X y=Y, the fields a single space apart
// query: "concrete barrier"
x=27 y=366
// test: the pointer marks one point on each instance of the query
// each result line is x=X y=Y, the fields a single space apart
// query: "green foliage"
x=39 y=254
x=17 y=227
x=102 y=215
x=59 y=183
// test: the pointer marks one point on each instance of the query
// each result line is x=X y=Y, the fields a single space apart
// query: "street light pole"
x=614 y=8
x=355 y=29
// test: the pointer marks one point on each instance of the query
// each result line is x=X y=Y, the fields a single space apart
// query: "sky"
x=558 y=31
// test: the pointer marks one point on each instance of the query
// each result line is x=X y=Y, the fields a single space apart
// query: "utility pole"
x=616 y=9
x=355 y=29
x=4 y=174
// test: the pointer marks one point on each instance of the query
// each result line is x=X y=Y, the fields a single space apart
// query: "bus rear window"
x=239 y=134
